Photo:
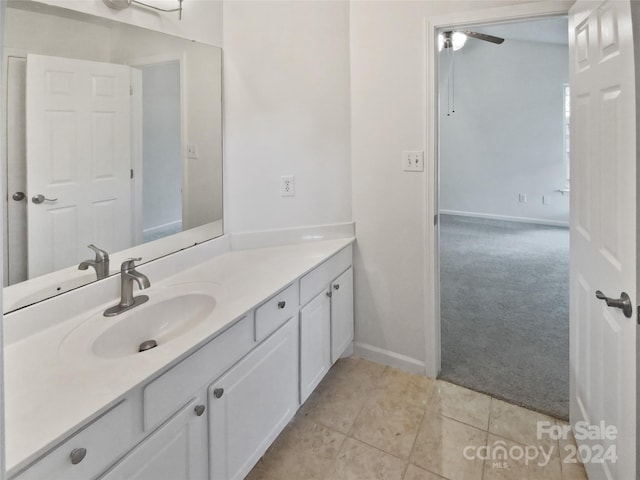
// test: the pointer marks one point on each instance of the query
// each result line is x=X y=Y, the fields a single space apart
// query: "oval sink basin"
x=160 y=320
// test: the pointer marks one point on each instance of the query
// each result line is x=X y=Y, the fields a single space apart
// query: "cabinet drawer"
x=318 y=279
x=275 y=311
x=104 y=441
x=174 y=388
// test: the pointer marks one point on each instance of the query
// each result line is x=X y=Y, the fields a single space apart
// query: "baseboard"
x=507 y=218
x=285 y=236
x=387 y=357
x=177 y=224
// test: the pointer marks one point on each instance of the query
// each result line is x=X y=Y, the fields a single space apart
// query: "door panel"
x=252 y=403
x=79 y=157
x=341 y=314
x=315 y=343
x=603 y=229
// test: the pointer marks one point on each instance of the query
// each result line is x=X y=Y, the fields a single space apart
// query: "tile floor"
x=366 y=421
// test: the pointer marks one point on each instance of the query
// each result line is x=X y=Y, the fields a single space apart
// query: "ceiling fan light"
x=458 y=40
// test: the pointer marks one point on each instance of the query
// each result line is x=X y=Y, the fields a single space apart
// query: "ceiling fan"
x=456 y=39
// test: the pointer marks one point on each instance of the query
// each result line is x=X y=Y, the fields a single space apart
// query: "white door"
x=603 y=231
x=78 y=160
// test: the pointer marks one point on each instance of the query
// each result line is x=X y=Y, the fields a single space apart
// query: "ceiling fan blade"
x=484 y=36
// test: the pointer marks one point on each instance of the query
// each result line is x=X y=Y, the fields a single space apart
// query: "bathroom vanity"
x=244 y=336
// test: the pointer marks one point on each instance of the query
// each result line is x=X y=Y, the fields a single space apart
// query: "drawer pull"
x=218 y=392
x=329 y=294
x=77 y=455
x=336 y=286
x=281 y=304
x=199 y=409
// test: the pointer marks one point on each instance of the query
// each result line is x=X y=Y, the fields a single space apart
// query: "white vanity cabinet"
x=326 y=318
x=214 y=412
x=177 y=450
x=315 y=343
x=251 y=404
x=341 y=314
x=89 y=452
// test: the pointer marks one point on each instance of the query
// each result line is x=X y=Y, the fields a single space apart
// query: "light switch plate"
x=413 y=161
x=192 y=151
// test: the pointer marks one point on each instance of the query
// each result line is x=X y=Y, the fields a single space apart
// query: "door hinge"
x=131 y=174
x=130 y=89
x=435 y=219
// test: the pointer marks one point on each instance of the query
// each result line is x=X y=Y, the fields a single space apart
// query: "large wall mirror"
x=113 y=138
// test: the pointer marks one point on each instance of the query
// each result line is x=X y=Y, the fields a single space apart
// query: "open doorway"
x=504 y=213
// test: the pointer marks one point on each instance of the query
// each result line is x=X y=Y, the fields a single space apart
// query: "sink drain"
x=147 y=345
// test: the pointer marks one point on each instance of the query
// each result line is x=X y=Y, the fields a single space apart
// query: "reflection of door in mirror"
x=71 y=125
x=195 y=131
x=91 y=144
x=78 y=160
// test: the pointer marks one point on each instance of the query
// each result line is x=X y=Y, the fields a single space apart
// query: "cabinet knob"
x=77 y=455
x=199 y=409
x=218 y=392
x=336 y=286
x=281 y=304
x=329 y=294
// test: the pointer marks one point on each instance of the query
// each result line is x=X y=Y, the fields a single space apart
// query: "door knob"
x=37 y=199
x=218 y=392
x=18 y=196
x=623 y=303
x=199 y=409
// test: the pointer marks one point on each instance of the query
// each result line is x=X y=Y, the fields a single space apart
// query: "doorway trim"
x=433 y=24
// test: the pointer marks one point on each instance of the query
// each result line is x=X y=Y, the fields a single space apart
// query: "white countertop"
x=49 y=392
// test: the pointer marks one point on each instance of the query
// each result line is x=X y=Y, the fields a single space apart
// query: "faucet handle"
x=129 y=264
x=101 y=255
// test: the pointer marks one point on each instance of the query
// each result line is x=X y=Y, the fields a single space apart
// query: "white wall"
x=201 y=19
x=506 y=134
x=162 y=165
x=202 y=64
x=388 y=85
x=286 y=80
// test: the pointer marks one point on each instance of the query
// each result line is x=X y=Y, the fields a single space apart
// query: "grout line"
x=415 y=441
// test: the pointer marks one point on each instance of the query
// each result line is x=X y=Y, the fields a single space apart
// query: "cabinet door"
x=252 y=403
x=341 y=314
x=315 y=343
x=176 y=451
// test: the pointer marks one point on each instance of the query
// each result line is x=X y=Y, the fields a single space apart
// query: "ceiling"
x=547 y=30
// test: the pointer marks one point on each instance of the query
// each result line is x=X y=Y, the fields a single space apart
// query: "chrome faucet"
x=128 y=275
x=100 y=263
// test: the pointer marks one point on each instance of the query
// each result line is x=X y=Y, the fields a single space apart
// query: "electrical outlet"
x=287 y=186
x=192 y=151
x=522 y=197
x=413 y=161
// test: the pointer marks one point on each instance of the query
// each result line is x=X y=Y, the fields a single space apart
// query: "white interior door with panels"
x=603 y=233
x=78 y=160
